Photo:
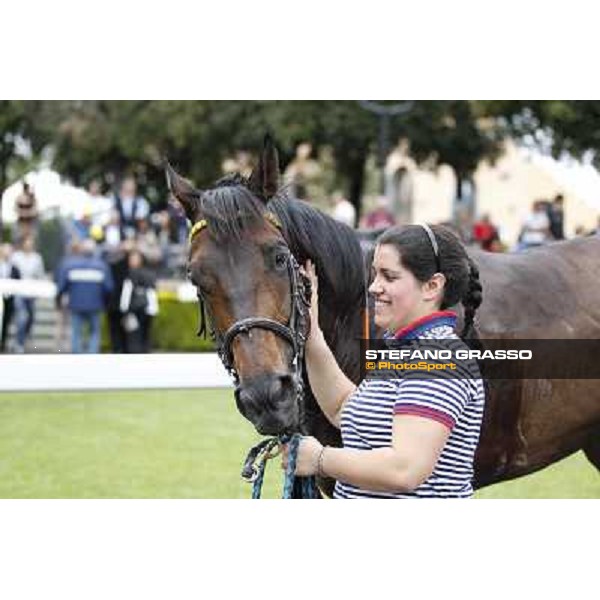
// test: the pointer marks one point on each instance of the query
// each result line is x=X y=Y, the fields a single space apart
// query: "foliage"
x=173 y=329
x=110 y=138
x=562 y=125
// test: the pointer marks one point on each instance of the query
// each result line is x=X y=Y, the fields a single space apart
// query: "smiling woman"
x=406 y=437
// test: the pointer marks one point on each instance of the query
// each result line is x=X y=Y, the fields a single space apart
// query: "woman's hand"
x=310 y=272
x=307 y=462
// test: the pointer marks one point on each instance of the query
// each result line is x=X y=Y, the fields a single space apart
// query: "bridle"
x=295 y=332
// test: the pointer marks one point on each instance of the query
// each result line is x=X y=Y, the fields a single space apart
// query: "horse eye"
x=280 y=260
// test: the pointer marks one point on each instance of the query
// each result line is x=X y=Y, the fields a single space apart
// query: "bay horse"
x=247 y=241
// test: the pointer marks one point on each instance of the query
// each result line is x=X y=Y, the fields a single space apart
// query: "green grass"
x=170 y=444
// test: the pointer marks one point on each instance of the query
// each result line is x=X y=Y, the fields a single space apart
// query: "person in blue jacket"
x=87 y=281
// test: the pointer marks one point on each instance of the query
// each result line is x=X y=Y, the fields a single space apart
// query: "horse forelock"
x=230 y=209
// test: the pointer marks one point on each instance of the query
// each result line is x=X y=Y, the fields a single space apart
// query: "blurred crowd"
x=115 y=248
x=543 y=224
x=113 y=252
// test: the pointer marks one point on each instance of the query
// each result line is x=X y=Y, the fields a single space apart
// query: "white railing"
x=31 y=288
x=70 y=372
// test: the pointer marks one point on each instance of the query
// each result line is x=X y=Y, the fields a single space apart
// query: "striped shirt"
x=367 y=417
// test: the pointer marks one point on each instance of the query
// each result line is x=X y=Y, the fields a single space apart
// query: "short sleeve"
x=442 y=400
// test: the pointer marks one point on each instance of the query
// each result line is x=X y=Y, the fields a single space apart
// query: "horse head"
x=251 y=286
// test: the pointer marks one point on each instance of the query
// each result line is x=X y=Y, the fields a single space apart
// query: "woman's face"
x=135 y=260
x=398 y=294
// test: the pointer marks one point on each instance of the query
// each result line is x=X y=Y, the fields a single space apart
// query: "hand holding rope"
x=256 y=461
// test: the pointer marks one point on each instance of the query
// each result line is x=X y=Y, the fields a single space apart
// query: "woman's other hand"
x=307 y=462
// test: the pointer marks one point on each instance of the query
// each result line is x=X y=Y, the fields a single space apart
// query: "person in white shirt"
x=536 y=229
x=7 y=271
x=30 y=265
x=131 y=207
x=343 y=210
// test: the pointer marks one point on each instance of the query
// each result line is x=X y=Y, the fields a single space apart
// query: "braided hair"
x=472 y=301
x=418 y=256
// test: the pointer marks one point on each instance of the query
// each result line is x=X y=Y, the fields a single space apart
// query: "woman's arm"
x=328 y=382
x=417 y=444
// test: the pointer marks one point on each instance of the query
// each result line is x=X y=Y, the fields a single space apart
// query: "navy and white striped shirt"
x=367 y=418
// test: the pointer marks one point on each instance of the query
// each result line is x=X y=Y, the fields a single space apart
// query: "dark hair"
x=417 y=255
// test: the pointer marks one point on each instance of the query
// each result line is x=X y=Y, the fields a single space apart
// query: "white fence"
x=47 y=372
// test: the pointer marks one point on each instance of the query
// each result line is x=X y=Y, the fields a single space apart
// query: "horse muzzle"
x=269 y=402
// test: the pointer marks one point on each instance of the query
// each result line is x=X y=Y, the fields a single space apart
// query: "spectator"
x=305 y=176
x=139 y=304
x=27 y=216
x=116 y=257
x=30 y=266
x=147 y=243
x=381 y=216
x=163 y=221
x=177 y=222
x=7 y=271
x=131 y=207
x=536 y=228
x=112 y=231
x=99 y=205
x=556 y=217
x=87 y=281
x=343 y=210
x=485 y=234
x=82 y=225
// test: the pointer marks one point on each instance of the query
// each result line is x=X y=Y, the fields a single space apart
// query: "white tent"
x=50 y=192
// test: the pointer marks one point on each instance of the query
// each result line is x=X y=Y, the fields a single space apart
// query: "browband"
x=434 y=245
x=200 y=225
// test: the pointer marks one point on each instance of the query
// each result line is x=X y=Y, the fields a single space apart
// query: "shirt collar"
x=419 y=326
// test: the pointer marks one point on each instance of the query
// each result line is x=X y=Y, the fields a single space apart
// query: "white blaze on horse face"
x=398 y=294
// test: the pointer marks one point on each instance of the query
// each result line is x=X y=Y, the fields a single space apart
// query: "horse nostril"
x=276 y=387
x=279 y=385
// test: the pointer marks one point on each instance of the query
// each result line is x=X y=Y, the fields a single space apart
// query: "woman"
x=404 y=437
x=139 y=304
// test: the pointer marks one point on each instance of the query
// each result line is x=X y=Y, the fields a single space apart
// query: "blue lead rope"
x=256 y=462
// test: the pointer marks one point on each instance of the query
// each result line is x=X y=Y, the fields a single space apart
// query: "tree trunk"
x=356 y=176
x=458 y=191
x=465 y=202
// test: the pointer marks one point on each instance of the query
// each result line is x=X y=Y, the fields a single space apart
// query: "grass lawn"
x=170 y=444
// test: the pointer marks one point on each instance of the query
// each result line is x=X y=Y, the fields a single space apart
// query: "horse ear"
x=264 y=180
x=184 y=192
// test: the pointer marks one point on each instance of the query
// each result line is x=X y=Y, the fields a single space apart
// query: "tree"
x=561 y=125
x=110 y=138
x=452 y=133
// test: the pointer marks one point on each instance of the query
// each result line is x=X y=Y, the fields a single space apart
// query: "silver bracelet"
x=320 y=472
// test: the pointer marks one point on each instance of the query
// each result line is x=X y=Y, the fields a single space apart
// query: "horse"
x=247 y=242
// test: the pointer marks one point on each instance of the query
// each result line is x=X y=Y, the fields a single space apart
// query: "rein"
x=294 y=333
x=254 y=468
